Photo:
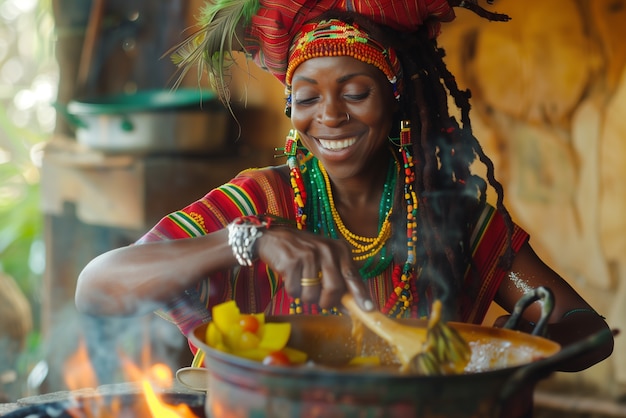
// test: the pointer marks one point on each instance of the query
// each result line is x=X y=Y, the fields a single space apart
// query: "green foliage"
x=21 y=221
x=22 y=132
x=27 y=76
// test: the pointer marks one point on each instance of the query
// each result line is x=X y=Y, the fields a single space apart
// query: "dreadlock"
x=450 y=196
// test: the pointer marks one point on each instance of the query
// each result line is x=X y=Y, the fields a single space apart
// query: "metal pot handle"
x=541 y=293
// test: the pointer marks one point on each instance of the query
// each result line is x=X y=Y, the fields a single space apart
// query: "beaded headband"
x=332 y=38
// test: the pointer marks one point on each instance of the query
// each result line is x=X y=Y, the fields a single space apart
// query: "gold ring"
x=304 y=282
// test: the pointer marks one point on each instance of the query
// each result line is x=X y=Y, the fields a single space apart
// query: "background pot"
x=181 y=120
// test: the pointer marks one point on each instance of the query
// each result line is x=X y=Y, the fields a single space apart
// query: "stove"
x=114 y=401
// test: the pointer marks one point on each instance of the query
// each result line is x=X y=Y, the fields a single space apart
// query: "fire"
x=80 y=374
x=158 y=409
x=159 y=375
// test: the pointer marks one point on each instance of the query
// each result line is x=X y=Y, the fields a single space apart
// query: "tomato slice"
x=276 y=358
x=249 y=323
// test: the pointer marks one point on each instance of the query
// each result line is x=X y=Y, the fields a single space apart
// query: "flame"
x=158 y=409
x=158 y=375
x=80 y=374
x=161 y=375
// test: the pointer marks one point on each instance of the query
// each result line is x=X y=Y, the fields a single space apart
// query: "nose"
x=332 y=113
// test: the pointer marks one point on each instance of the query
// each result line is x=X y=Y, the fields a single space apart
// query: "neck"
x=361 y=212
x=358 y=191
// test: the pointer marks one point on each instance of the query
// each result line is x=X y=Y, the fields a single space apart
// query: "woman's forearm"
x=138 y=279
x=576 y=327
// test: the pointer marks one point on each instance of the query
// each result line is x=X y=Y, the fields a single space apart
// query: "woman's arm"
x=140 y=278
x=572 y=319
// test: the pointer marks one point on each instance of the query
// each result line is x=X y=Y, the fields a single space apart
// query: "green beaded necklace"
x=321 y=205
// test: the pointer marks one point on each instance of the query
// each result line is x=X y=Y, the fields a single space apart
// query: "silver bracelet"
x=242 y=234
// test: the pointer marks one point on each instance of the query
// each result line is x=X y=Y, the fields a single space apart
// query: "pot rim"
x=145 y=100
x=320 y=371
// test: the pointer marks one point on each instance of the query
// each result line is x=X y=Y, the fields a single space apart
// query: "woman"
x=377 y=198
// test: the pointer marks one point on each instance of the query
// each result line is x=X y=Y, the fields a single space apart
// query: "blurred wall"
x=549 y=99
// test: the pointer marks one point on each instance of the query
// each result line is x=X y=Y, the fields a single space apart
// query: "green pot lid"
x=146 y=100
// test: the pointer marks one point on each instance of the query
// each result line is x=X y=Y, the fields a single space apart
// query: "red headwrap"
x=270 y=26
x=276 y=22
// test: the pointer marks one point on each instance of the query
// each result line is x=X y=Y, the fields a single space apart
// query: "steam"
x=145 y=340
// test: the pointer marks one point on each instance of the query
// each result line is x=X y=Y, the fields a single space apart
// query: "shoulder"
x=254 y=191
x=260 y=175
x=491 y=225
x=257 y=183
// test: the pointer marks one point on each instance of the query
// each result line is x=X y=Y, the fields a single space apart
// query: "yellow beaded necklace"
x=363 y=247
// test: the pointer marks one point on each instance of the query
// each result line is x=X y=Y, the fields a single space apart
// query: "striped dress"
x=258 y=289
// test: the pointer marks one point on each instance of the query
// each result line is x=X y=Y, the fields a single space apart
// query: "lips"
x=336 y=144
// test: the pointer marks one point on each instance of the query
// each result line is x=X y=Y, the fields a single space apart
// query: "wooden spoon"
x=407 y=341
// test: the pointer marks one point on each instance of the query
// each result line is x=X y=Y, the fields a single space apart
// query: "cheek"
x=301 y=118
x=378 y=114
x=301 y=124
x=379 y=120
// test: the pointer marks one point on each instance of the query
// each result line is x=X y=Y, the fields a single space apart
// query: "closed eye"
x=357 y=97
x=304 y=102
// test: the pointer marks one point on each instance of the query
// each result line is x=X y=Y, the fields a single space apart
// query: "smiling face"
x=324 y=92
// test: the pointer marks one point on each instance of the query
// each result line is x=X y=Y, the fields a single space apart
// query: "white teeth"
x=336 y=144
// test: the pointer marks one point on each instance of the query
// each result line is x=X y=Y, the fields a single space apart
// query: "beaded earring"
x=405 y=133
x=404 y=136
x=291 y=151
x=404 y=296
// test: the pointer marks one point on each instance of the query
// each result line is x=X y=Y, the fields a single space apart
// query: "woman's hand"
x=302 y=258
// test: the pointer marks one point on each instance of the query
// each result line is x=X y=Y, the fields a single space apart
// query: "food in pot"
x=444 y=351
x=437 y=349
x=248 y=336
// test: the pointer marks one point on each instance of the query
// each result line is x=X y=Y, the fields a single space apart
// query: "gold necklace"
x=363 y=247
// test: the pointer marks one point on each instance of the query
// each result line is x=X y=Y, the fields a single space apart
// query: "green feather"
x=210 y=46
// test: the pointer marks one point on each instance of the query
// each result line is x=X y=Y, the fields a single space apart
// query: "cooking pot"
x=507 y=364
x=184 y=120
